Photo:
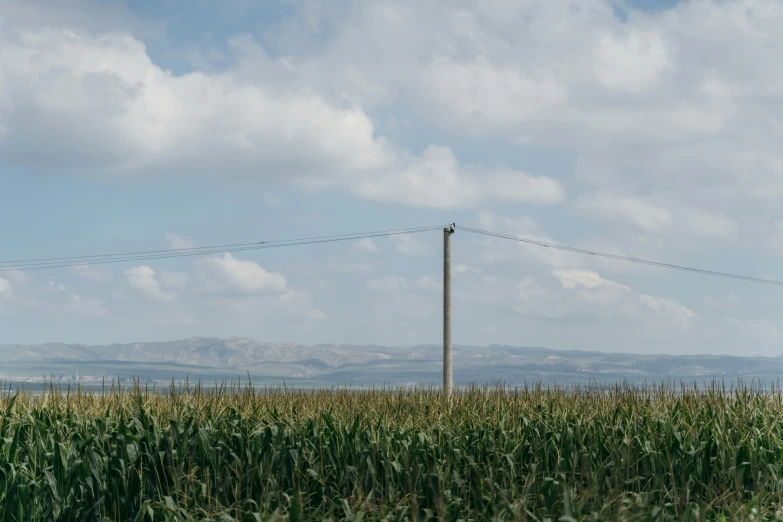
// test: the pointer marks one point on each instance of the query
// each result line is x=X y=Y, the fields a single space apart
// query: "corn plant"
x=235 y=452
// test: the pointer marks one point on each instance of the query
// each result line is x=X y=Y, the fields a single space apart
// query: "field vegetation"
x=243 y=453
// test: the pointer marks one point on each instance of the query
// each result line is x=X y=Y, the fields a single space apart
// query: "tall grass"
x=240 y=453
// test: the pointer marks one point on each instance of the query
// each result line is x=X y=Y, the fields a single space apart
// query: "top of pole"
x=451 y=228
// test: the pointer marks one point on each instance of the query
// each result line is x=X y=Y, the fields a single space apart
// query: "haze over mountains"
x=210 y=359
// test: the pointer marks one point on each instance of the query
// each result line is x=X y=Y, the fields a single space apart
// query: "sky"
x=648 y=129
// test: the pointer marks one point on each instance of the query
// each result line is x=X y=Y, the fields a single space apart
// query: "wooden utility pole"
x=447 y=232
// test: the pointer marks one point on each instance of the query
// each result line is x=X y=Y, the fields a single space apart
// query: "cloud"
x=436 y=179
x=410 y=246
x=583 y=279
x=75 y=99
x=176 y=280
x=290 y=305
x=459 y=269
x=5 y=286
x=672 y=115
x=18 y=277
x=496 y=251
x=493 y=95
x=387 y=284
x=532 y=298
x=633 y=62
x=56 y=287
x=668 y=309
x=726 y=302
x=627 y=210
x=98 y=274
x=590 y=287
x=671 y=219
x=318 y=315
x=143 y=279
x=530 y=290
x=430 y=283
x=177 y=243
x=758 y=328
x=85 y=306
x=711 y=224
x=349 y=267
x=367 y=245
x=657 y=133
x=228 y=273
x=113 y=109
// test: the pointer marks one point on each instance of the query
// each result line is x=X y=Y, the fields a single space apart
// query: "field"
x=239 y=453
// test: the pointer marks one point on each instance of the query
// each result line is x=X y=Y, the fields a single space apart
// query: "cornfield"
x=247 y=454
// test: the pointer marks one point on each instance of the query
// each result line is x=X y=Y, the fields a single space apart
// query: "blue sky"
x=648 y=129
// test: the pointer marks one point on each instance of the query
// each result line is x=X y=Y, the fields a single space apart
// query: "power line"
x=622 y=258
x=147 y=255
x=21 y=262
x=61 y=262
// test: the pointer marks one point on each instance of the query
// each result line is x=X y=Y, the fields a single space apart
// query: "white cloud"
x=85 y=306
x=667 y=111
x=574 y=278
x=664 y=124
x=410 y=246
x=253 y=308
x=175 y=280
x=388 y=284
x=98 y=274
x=711 y=224
x=143 y=279
x=652 y=217
x=728 y=301
x=533 y=299
x=760 y=329
x=318 y=315
x=110 y=107
x=227 y=272
x=627 y=210
x=18 y=277
x=367 y=245
x=56 y=287
x=349 y=267
x=430 y=283
x=591 y=287
x=177 y=243
x=490 y=94
x=5 y=286
x=435 y=179
x=530 y=290
x=632 y=63
x=670 y=310
x=522 y=188
x=497 y=251
x=459 y=269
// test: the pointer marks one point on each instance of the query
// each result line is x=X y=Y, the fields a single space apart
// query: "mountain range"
x=214 y=359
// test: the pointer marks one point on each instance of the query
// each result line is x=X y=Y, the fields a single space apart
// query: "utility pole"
x=447 y=232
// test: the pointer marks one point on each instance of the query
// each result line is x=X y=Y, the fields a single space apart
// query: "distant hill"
x=209 y=359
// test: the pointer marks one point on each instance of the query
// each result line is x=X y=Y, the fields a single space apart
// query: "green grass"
x=618 y=453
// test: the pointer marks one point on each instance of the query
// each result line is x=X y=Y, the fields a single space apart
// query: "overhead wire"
x=147 y=255
x=616 y=257
x=74 y=261
x=19 y=262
